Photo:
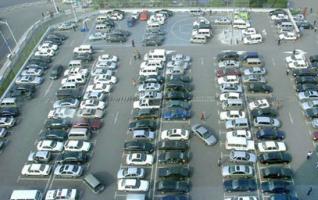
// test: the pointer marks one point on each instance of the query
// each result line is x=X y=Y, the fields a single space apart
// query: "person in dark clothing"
x=309 y=191
x=278 y=42
x=132 y=43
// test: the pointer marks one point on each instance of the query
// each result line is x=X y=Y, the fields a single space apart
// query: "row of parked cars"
x=201 y=31
x=251 y=133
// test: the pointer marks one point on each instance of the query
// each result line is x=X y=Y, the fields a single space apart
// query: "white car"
x=288 y=36
x=222 y=20
x=50 y=145
x=62 y=113
x=230 y=95
x=309 y=104
x=229 y=79
x=180 y=57
x=45 y=53
x=229 y=87
x=240 y=133
x=66 y=194
x=279 y=16
x=255 y=70
x=253 y=39
x=100 y=87
x=36 y=170
x=107 y=57
x=232 y=114
x=131 y=172
x=101 y=71
x=150 y=95
x=139 y=159
x=93 y=104
x=254 y=78
x=178 y=63
x=298 y=64
x=7 y=122
x=68 y=171
x=77 y=145
x=133 y=185
x=30 y=80
x=90 y=113
x=47 y=46
x=102 y=78
x=32 y=72
x=241 y=198
x=308 y=95
x=262 y=122
x=106 y=64
x=293 y=58
x=149 y=87
x=175 y=134
x=239 y=144
x=260 y=103
x=97 y=36
x=249 y=31
x=271 y=146
x=229 y=64
x=66 y=103
x=76 y=71
x=237 y=171
x=94 y=95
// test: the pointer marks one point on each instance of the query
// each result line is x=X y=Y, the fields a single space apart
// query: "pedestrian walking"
x=309 y=191
x=310 y=10
x=132 y=43
x=278 y=42
x=74 y=28
x=287 y=72
x=309 y=154
x=315 y=29
x=315 y=22
x=219 y=162
x=294 y=52
x=202 y=116
x=43 y=14
x=134 y=82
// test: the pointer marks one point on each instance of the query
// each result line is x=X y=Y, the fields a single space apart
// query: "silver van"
x=26 y=195
x=8 y=102
x=93 y=183
x=232 y=104
x=66 y=86
x=79 y=134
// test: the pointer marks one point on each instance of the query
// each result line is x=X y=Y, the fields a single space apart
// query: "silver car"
x=204 y=133
x=229 y=87
x=68 y=171
x=242 y=156
x=131 y=172
x=237 y=171
x=30 y=80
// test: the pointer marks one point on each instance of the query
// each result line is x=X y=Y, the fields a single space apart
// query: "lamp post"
x=55 y=7
x=6 y=42
x=74 y=13
x=7 y=24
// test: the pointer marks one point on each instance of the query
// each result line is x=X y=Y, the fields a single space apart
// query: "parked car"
x=204 y=133
x=56 y=72
x=142 y=124
x=263 y=112
x=71 y=157
x=237 y=171
x=138 y=146
x=277 y=173
x=68 y=171
x=178 y=172
x=242 y=156
x=50 y=145
x=259 y=88
x=275 y=158
x=139 y=159
x=271 y=146
x=275 y=186
x=175 y=157
x=175 y=134
x=36 y=170
x=270 y=134
x=7 y=122
x=239 y=185
x=130 y=172
x=132 y=185
x=9 y=112
x=70 y=194
x=165 y=186
x=266 y=122
x=77 y=145
x=40 y=156
x=173 y=145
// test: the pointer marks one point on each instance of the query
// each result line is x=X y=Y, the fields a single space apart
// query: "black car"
x=306 y=79
x=270 y=134
x=306 y=86
x=183 y=78
x=174 y=172
x=146 y=113
x=274 y=158
x=165 y=186
x=56 y=41
x=56 y=72
x=239 y=185
x=121 y=32
x=59 y=35
x=178 y=85
x=173 y=157
x=86 y=57
x=277 y=172
x=311 y=113
x=178 y=104
x=138 y=145
x=69 y=93
x=167 y=13
x=23 y=94
x=259 y=88
x=304 y=24
x=173 y=145
x=228 y=55
x=305 y=72
x=54 y=37
x=313 y=58
x=178 y=95
x=282 y=197
x=276 y=186
x=72 y=157
x=143 y=124
x=151 y=79
x=264 y=112
x=58 y=124
x=54 y=134
x=9 y=112
x=37 y=62
x=115 y=38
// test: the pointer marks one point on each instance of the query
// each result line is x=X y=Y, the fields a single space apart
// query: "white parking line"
x=202 y=60
x=48 y=89
x=116 y=117
x=290 y=118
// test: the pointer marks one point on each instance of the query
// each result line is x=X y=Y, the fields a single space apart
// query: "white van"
x=75 y=63
x=85 y=48
x=149 y=71
x=26 y=195
x=8 y=102
x=202 y=31
x=156 y=54
x=286 y=26
x=101 y=18
x=79 y=134
x=253 y=39
x=78 y=79
x=241 y=24
x=67 y=86
x=239 y=143
x=199 y=39
x=232 y=104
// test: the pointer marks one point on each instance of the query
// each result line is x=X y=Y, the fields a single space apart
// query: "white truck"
x=147 y=103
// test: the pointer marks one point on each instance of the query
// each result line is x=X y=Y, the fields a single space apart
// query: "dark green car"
x=178 y=95
x=263 y=112
x=146 y=113
x=56 y=72
x=277 y=172
x=70 y=157
x=137 y=146
x=183 y=78
x=115 y=38
x=151 y=79
x=173 y=145
x=178 y=104
x=179 y=86
x=174 y=172
x=165 y=186
x=143 y=124
x=259 y=88
x=173 y=157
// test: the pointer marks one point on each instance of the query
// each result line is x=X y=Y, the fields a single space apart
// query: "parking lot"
x=107 y=154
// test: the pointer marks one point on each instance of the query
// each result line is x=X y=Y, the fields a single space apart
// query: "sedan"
x=132 y=185
x=263 y=112
x=50 y=145
x=271 y=146
x=89 y=113
x=108 y=57
x=231 y=88
x=232 y=171
x=142 y=124
x=266 y=122
x=228 y=71
x=309 y=104
x=69 y=157
x=139 y=159
x=173 y=157
x=232 y=114
x=259 y=88
x=242 y=156
x=150 y=87
x=306 y=79
x=228 y=79
x=32 y=72
x=239 y=185
x=270 y=134
x=102 y=78
x=311 y=113
x=97 y=36
x=277 y=173
x=283 y=197
x=77 y=145
x=239 y=133
x=68 y=171
x=173 y=145
x=274 y=158
x=175 y=134
x=275 y=186
x=255 y=71
x=306 y=87
x=178 y=104
x=178 y=95
x=176 y=114
x=308 y=95
x=178 y=172
x=100 y=87
x=93 y=104
x=204 y=134
x=68 y=102
x=130 y=172
x=260 y=103
x=9 y=112
x=36 y=170
x=138 y=146
x=254 y=78
x=39 y=156
x=164 y=186
x=180 y=57
x=230 y=95
x=30 y=80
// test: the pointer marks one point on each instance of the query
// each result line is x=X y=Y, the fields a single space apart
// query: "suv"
x=138 y=146
x=173 y=145
x=173 y=157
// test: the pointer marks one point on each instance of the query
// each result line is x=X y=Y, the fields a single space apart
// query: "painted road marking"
x=116 y=117
x=290 y=118
x=48 y=89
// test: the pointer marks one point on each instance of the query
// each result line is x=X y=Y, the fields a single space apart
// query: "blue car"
x=174 y=197
x=176 y=114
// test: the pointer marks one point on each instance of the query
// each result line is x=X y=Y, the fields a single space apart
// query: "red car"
x=144 y=15
x=93 y=124
x=315 y=136
x=228 y=71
